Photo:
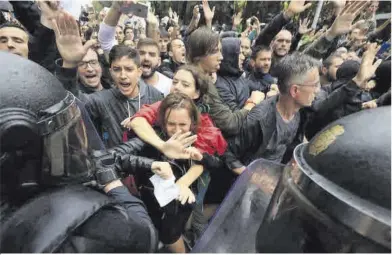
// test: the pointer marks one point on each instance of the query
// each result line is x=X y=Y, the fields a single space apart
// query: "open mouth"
x=146 y=67
x=91 y=76
x=125 y=84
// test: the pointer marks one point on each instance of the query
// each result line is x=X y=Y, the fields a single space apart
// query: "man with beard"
x=260 y=66
x=150 y=61
x=328 y=71
x=176 y=50
x=107 y=108
x=281 y=45
x=276 y=37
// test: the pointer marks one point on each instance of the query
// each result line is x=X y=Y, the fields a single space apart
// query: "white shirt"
x=164 y=84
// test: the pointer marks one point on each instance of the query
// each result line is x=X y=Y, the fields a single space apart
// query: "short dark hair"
x=163 y=33
x=170 y=44
x=202 y=81
x=178 y=101
x=128 y=28
x=293 y=69
x=147 y=42
x=14 y=25
x=202 y=42
x=328 y=61
x=119 y=51
x=256 y=50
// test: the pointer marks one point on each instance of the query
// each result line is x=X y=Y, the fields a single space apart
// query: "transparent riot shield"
x=233 y=228
x=293 y=209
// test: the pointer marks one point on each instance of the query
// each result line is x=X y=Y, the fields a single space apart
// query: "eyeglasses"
x=317 y=85
x=93 y=63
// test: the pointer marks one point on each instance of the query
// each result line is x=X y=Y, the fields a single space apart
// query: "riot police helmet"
x=43 y=135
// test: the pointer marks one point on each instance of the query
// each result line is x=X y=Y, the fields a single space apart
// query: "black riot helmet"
x=346 y=174
x=43 y=135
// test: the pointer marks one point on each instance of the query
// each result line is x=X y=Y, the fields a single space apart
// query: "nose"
x=122 y=75
x=10 y=44
x=220 y=56
x=176 y=129
x=89 y=68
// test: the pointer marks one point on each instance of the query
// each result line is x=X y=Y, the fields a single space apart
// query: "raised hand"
x=338 y=5
x=303 y=26
x=163 y=169
x=175 y=18
x=174 y=148
x=367 y=68
x=152 y=19
x=68 y=40
x=118 y=5
x=237 y=19
x=344 y=22
x=170 y=12
x=296 y=7
x=195 y=12
x=208 y=13
x=49 y=11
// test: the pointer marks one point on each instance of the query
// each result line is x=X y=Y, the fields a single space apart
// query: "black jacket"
x=260 y=81
x=341 y=102
x=108 y=108
x=255 y=134
x=232 y=87
x=77 y=219
x=137 y=157
x=260 y=124
x=168 y=68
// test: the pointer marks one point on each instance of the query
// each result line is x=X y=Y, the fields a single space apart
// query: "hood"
x=383 y=77
x=345 y=72
x=231 y=48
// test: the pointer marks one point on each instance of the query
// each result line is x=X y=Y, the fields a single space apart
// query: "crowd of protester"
x=201 y=104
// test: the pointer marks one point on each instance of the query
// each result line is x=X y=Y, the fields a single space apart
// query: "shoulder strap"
x=43 y=224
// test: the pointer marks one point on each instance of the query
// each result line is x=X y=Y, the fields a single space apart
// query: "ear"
x=170 y=54
x=197 y=95
x=324 y=70
x=159 y=61
x=294 y=90
x=252 y=63
x=139 y=71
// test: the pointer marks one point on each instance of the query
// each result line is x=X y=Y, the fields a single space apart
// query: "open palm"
x=344 y=22
x=68 y=40
x=297 y=6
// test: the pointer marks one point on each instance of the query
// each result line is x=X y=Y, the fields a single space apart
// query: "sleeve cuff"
x=68 y=73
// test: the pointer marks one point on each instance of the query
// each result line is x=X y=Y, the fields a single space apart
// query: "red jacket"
x=209 y=138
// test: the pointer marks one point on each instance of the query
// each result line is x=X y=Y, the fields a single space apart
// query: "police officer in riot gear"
x=334 y=197
x=46 y=140
x=337 y=197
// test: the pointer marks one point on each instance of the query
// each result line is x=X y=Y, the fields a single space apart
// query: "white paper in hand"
x=165 y=191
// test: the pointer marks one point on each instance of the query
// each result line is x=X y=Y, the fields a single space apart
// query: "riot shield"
x=234 y=226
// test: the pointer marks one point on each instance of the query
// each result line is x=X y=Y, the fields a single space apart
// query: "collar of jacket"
x=142 y=90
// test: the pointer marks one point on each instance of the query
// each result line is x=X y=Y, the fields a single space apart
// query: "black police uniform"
x=45 y=159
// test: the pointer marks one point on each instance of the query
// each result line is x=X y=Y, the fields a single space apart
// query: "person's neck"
x=286 y=107
x=153 y=80
x=202 y=69
x=99 y=87
x=135 y=92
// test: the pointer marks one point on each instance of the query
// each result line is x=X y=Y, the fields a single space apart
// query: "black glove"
x=107 y=167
